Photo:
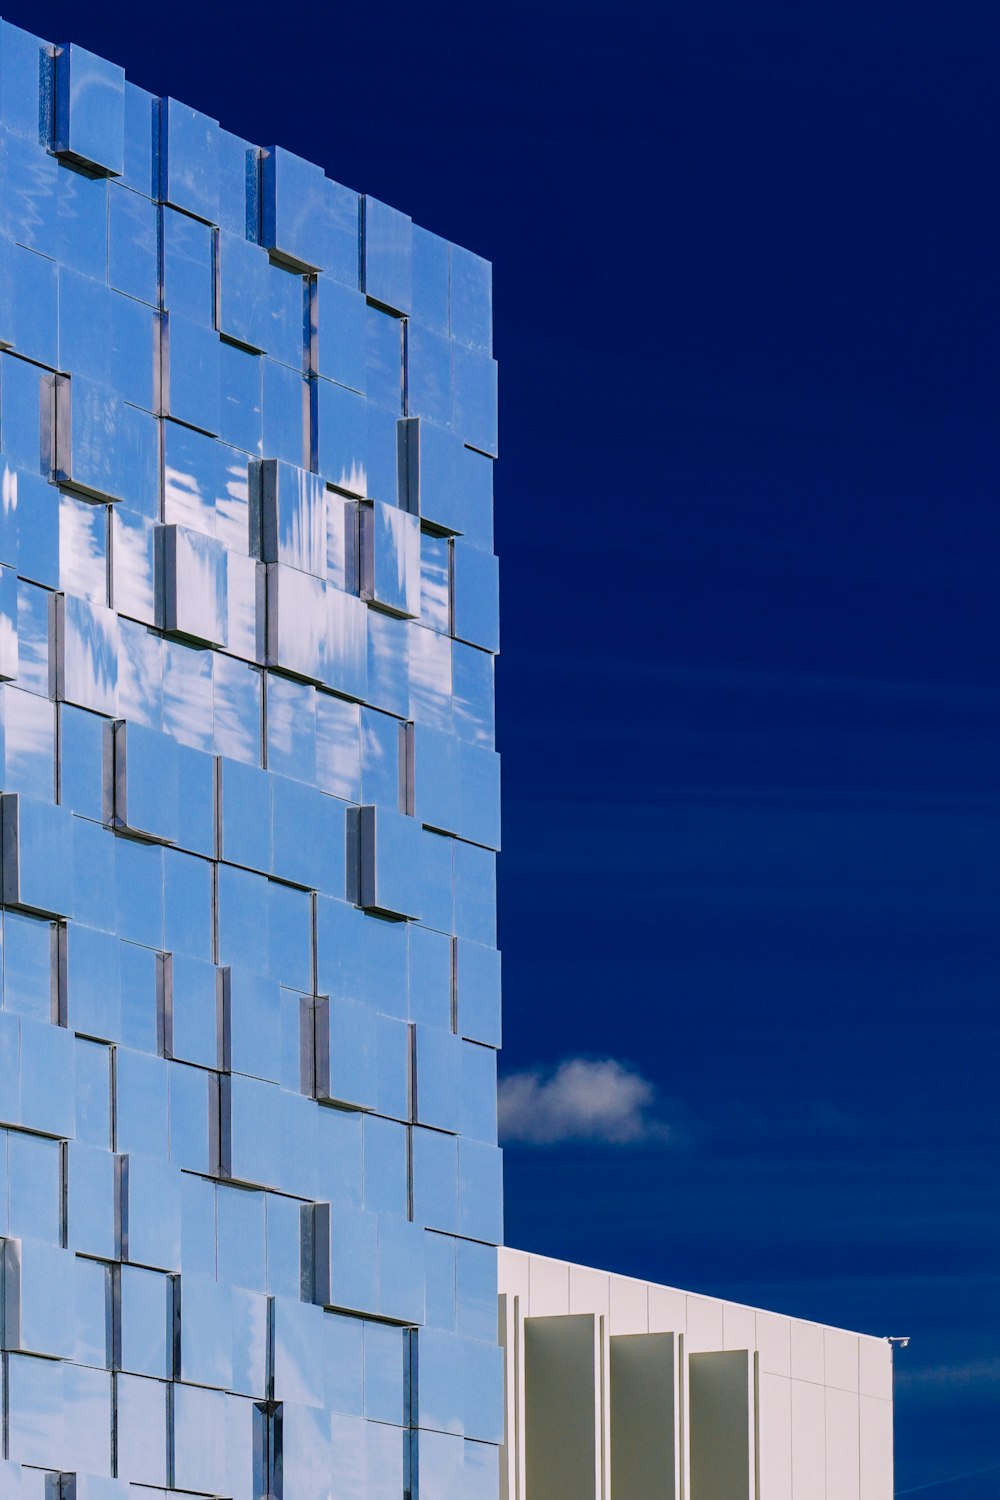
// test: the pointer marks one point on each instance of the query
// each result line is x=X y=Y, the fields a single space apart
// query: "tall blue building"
x=250 y=1004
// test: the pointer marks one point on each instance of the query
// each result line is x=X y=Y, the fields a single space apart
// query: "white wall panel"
x=629 y=1305
x=775 y=1436
x=875 y=1368
x=588 y=1290
x=876 y=1448
x=774 y=1341
x=704 y=1324
x=808 y=1441
x=667 y=1310
x=842 y=1438
x=739 y=1329
x=807 y=1352
x=513 y=1268
x=548 y=1287
x=840 y=1359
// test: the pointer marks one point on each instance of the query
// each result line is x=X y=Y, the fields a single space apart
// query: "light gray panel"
x=722 y=1464
x=643 y=1399
x=561 y=1413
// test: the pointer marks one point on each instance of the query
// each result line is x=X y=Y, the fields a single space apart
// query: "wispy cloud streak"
x=940 y=1484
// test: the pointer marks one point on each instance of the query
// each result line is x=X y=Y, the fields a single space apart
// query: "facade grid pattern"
x=250 y=1189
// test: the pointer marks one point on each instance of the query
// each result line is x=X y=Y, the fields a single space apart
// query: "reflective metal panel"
x=198 y=1419
x=431 y=277
x=241 y=398
x=438 y=1078
x=477 y=990
x=308 y=832
x=388 y=242
x=39 y=1298
x=37 y=855
x=244 y=815
x=435 y=582
x=194 y=585
x=288 y=517
x=30 y=972
x=86 y=654
x=145 y=1315
x=388 y=871
x=189 y=160
x=430 y=977
x=238 y=691
x=388 y=664
x=141 y=1428
x=390 y=558
x=291 y=727
x=337 y=333
x=189 y=390
x=83 y=549
x=476 y=399
x=93 y=993
x=296 y=622
x=242 y=291
x=338 y=747
x=138 y=153
x=105 y=337
x=132 y=240
x=341 y=437
x=430 y=379
x=471 y=299
x=348 y=646
x=239 y=185
x=34 y=1187
x=285 y=407
x=104 y=446
x=343 y=234
x=205 y=1328
x=133 y=578
x=476 y=597
x=293 y=201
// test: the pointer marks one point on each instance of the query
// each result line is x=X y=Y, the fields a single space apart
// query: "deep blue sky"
x=746 y=312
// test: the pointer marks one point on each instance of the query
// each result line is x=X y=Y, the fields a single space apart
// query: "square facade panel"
x=195 y=577
x=295 y=209
x=90 y=110
x=388 y=255
x=188 y=160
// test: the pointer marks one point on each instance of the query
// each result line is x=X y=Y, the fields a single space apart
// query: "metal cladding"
x=250 y=807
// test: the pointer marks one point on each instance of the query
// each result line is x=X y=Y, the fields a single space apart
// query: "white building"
x=618 y=1389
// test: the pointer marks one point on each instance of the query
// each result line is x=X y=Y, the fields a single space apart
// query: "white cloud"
x=581 y=1099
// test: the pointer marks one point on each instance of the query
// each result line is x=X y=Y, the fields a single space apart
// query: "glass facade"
x=250 y=1188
